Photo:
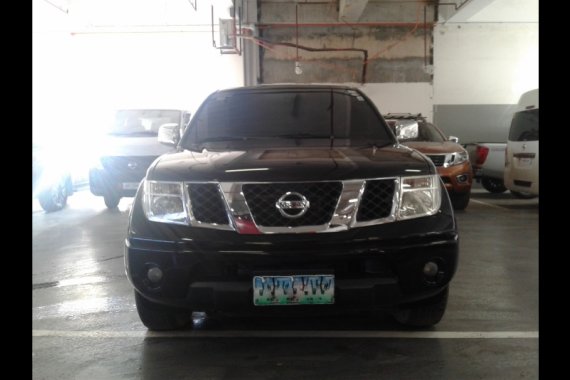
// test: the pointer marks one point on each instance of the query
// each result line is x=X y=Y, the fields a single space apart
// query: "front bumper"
x=457 y=178
x=103 y=182
x=216 y=276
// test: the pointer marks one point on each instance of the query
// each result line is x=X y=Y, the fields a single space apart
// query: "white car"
x=521 y=157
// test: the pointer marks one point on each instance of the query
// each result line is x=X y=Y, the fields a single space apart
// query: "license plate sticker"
x=130 y=185
x=315 y=289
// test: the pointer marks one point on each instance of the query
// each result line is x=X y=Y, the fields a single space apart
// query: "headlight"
x=456 y=158
x=165 y=202
x=419 y=196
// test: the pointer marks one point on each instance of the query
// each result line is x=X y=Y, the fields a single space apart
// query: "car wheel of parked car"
x=494 y=186
x=158 y=317
x=460 y=201
x=522 y=195
x=54 y=198
x=111 y=200
x=423 y=313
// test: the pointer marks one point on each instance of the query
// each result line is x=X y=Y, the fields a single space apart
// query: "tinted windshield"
x=142 y=122
x=425 y=131
x=524 y=126
x=294 y=114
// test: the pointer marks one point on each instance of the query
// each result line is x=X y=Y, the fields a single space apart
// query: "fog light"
x=154 y=274
x=462 y=178
x=430 y=269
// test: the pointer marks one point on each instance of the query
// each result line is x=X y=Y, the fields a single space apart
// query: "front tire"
x=460 y=200
x=492 y=185
x=111 y=200
x=54 y=198
x=158 y=317
x=423 y=313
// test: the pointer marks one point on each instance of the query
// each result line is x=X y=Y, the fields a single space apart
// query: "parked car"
x=290 y=199
x=450 y=158
x=521 y=164
x=51 y=179
x=488 y=162
x=130 y=148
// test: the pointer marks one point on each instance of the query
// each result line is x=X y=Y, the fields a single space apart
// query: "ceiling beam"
x=351 y=10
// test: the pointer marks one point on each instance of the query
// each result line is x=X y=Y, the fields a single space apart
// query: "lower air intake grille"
x=207 y=203
x=376 y=201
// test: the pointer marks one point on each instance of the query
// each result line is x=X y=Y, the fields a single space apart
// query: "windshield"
x=295 y=114
x=413 y=131
x=524 y=126
x=142 y=122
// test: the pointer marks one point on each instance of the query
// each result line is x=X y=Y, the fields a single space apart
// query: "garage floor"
x=85 y=325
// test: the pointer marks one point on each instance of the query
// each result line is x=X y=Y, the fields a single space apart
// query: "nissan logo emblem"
x=292 y=205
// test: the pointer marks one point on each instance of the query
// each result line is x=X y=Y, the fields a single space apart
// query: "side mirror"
x=453 y=139
x=169 y=134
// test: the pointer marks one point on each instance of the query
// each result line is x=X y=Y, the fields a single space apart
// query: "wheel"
x=54 y=198
x=111 y=200
x=493 y=185
x=521 y=195
x=158 y=317
x=460 y=200
x=424 y=313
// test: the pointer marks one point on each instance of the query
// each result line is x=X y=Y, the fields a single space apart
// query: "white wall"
x=484 y=63
x=401 y=97
x=85 y=63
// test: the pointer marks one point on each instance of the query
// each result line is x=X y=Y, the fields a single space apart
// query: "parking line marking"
x=289 y=334
x=489 y=204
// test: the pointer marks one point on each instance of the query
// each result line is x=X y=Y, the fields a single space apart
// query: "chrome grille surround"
x=343 y=218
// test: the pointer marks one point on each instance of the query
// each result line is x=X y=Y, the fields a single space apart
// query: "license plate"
x=317 y=289
x=130 y=185
x=525 y=161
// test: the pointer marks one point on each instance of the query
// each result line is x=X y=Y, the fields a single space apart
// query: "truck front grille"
x=207 y=203
x=262 y=199
x=437 y=159
x=376 y=202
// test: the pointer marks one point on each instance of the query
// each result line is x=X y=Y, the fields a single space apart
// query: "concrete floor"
x=85 y=324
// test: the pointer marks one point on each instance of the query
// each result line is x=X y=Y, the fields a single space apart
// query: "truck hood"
x=133 y=146
x=290 y=164
x=428 y=147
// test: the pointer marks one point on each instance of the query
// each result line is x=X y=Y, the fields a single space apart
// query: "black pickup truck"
x=290 y=199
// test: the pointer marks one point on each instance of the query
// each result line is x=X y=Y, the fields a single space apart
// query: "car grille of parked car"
x=262 y=199
x=207 y=203
x=376 y=201
x=209 y=207
x=437 y=159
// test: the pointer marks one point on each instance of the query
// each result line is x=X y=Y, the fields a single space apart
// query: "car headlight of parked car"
x=165 y=202
x=419 y=196
x=456 y=158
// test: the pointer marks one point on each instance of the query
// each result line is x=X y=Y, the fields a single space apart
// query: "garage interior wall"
x=482 y=66
x=101 y=55
x=386 y=50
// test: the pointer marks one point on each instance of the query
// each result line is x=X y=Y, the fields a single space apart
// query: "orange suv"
x=451 y=160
